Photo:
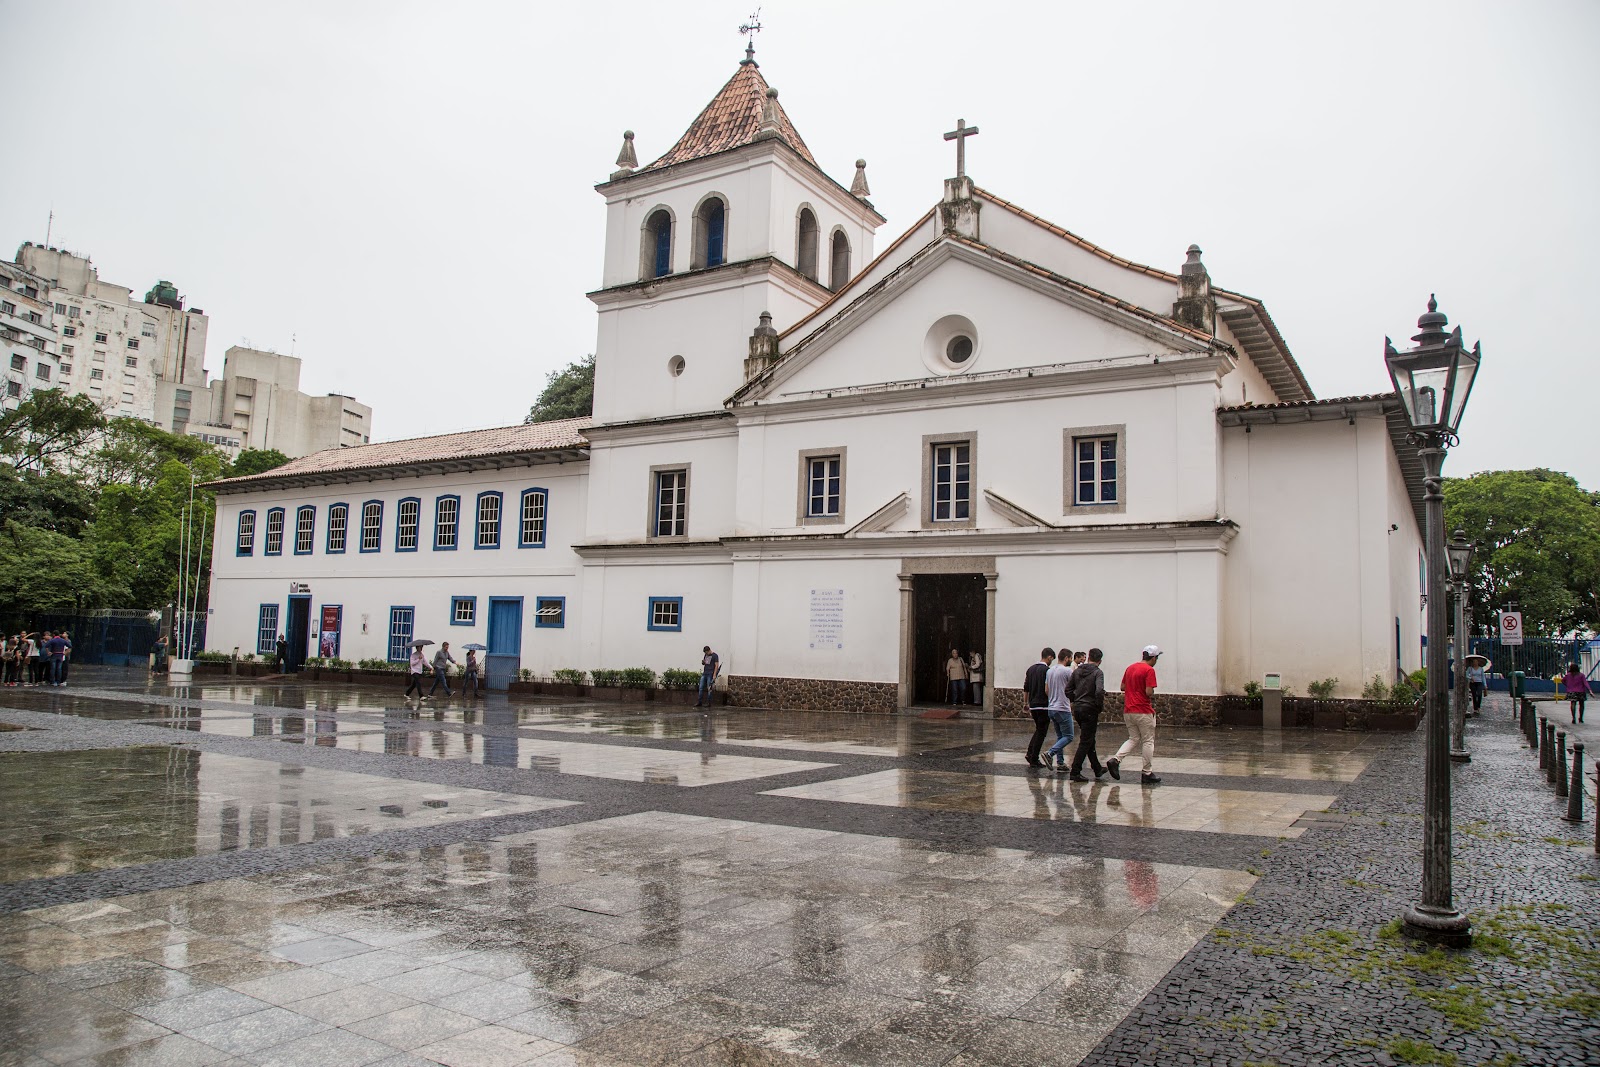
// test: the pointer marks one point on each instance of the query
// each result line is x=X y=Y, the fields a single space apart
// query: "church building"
x=834 y=464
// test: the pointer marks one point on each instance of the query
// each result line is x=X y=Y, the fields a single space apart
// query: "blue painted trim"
x=238 y=534
x=388 y=637
x=650 y=613
x=522 y=503
x=302 y=509
x=328 y=541
x=277 y=621
x=361 y=530
x=266 y=533
x=500 y=526
x=437 y=547
x=539 y=623
x=456 y=600
x=417 y=534
x=517 y=600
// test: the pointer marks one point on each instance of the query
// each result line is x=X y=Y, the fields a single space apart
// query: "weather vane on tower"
x=750 y=29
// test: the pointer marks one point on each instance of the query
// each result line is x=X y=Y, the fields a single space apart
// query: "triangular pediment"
x=1017 y=315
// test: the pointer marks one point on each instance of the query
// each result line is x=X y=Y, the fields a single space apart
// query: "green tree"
x=46 y=428
x=46 y=500
x=256 y=461
x=132 y=452
x=1538 y=537
x=568 y=393
x=46 y=571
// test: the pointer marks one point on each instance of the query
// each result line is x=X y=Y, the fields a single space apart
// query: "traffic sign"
x=1511 y=627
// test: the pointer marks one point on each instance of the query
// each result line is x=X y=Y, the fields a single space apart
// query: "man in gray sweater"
x=442 y=660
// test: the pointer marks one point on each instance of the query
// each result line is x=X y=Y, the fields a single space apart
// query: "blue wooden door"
x=504 y=658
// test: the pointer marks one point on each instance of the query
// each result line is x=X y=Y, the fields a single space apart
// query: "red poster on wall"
x=332 y=619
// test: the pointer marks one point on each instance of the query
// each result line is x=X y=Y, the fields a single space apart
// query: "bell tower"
x=736 y=219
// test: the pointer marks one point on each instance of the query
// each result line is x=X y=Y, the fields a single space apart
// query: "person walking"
x=1038 y=703
x=710 y=667
x=1477 y=681
x=419 y=663
x=1139 y=715
x=955 y=673
x=442 y=660
x=469 y=681
x=1060 y=708
x=1577 y=687
x=1087 y=692
x=283 y=654
x=975 y=677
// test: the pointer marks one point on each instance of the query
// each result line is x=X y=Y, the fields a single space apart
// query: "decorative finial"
x=749 y=30
x=769 y=114
x=959 y=135
x=858 y=188
x=1430 y=327
x=627 y=159
x=1433 y=302
x=1193 y=257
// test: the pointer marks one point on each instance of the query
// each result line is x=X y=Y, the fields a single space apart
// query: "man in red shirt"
x=1139 y=714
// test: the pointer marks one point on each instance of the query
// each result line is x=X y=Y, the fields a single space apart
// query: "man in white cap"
x=1139 y=714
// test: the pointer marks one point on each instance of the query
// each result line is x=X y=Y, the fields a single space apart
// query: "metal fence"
x=1539 y=658
x=116 y=639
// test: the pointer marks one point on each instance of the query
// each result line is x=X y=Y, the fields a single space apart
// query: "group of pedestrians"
x=442 y=662
x=36 y=658
x=964 y=678
x=1067 y=689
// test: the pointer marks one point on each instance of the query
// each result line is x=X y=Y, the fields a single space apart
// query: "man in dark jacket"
x=1087 y=691
x=1038 y=704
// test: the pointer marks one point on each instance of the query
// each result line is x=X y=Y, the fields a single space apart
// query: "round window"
x=675 y=366
x=958 y=349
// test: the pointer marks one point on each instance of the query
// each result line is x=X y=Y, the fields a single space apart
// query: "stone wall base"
x=1178 y=709
x=813 y=694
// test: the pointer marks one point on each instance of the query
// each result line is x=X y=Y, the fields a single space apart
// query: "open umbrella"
x=475 y=647
x=419 y=644
x=1475 y=656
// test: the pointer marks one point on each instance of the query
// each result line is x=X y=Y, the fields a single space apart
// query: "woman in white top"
x=975 y=677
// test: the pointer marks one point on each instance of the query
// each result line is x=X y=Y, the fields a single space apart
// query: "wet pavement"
x=275 y=874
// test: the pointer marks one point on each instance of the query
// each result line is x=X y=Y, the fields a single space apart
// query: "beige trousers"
x=1141 y=735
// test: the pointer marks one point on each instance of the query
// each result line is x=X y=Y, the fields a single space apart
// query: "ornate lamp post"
x=1459 y=551
x=1433 y=381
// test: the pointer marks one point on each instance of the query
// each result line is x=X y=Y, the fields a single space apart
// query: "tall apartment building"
x=146 y=360
x=113 y=348
x=27 y=336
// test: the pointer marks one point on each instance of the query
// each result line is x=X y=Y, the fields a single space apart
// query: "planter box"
x=677 y=697
x=1329 y=719
x=1239 y=711
x=605 y=692
x=635 y=696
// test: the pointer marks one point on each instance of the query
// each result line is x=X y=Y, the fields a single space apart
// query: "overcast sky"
x=404 y=189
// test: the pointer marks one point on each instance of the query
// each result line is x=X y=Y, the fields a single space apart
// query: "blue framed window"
x=488 y=521
x=710 y=226
x=305 y=529
x=372 y=526
x=245 y=545
x=658 y=243
x=338 y=527
x=666 y=613
x=446 y=523
x=274 y=545
x=400 y=623
x=267 y=630
x=463 y=611
x=530 y=532
x=550 y=613
x=407 y=521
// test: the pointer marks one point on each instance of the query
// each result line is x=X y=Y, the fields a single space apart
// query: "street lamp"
x=1433 y=381
x=1459 y=551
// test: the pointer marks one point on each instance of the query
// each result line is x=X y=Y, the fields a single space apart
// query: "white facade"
x=28 y=346
x=995 y=436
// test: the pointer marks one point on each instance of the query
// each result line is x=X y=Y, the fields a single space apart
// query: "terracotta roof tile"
x=473 y=444
x=732 y=119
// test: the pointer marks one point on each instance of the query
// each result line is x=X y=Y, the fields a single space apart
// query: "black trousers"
x=1476 y=688
x=1088 y=726
x=1041 y=728
x=414 y=683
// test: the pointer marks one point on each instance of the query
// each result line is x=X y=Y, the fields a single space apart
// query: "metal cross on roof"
x=750 y=29
x=959 y=135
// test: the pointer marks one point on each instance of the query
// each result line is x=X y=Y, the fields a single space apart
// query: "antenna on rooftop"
x=48 y=226
x=750 y=29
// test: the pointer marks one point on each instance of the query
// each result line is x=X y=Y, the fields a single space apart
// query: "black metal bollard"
x=1544 y=749
x=1529 y=724
x=1575 y=793
x=1561 y=763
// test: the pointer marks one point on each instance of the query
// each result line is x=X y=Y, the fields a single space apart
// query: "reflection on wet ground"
x=652 y=938
x=68 y=812
x=1221 y=811
x=692 y=936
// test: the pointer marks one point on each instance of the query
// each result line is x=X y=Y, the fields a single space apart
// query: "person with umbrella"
x=1477 y=681
x=419 y=663
x=470 y=678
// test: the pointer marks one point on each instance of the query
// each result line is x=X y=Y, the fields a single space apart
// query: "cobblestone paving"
x=1308 y=969
x=275 y=874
